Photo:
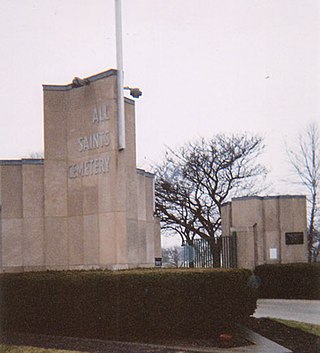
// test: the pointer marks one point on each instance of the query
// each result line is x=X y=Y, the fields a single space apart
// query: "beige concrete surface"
x=262 y=225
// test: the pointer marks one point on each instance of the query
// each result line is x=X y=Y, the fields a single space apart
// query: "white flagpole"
x=121 y=116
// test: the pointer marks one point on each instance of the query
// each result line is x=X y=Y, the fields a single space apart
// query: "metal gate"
x=199 y=254
x=229 y=251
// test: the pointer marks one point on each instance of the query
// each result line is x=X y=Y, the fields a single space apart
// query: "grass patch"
x=25 y=349
x=309 y=328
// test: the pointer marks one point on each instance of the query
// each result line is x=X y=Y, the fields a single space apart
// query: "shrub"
x=125 y=305
x=289 y=281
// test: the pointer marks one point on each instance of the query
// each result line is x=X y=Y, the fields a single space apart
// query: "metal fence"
x=200 y=253
x=229 y=251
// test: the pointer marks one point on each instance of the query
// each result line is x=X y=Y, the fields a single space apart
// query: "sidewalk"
x=260 y=345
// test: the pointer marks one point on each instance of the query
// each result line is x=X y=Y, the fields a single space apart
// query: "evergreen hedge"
x=289 y=281
x=125 y=305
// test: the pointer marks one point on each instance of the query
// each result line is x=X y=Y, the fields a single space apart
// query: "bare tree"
x=172 y=256
x=305 y=159
x=36 y=155
x=193 y=182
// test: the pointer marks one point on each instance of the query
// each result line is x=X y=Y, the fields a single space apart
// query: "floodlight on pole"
x=134 y=92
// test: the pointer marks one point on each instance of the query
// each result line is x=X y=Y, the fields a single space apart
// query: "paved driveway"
x=290 y=309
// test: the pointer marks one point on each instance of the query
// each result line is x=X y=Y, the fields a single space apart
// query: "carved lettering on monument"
x=97 y=140
x=90 y=167
x=94 y=141
x=100 y=113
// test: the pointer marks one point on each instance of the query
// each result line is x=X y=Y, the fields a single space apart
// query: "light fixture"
x=134 y=92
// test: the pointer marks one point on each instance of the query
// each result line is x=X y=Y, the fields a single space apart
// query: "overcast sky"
x=204 y=66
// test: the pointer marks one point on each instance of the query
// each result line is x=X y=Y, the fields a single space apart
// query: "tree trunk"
x=311 y=228
x=215 y=248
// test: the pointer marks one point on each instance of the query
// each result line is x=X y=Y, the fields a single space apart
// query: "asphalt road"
x=298 y=310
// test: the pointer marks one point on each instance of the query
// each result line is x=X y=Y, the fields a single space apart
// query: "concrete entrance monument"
x=269 y=230
x=85 y=205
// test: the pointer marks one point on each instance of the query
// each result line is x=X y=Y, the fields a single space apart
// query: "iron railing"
x=200 y=253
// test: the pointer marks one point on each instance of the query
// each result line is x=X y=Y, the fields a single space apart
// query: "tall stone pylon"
x=85 y=205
